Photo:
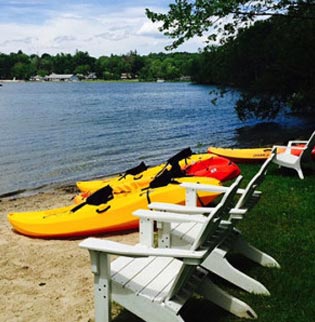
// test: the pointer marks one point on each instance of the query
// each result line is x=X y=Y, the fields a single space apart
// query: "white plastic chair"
x=154 y=283
x=216 y=262
x=289 y=160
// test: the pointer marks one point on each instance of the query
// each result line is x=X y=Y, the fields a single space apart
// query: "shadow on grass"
x=291 y=173
x=196 y=310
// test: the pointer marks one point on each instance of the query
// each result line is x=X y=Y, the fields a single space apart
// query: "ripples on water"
x=63 y=132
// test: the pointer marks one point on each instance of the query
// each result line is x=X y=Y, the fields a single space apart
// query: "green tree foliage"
x=167 y=66
x=45 y=66
x=219 y=19
x=83 y=63
x=272 y=61
x=22 y=70
x=6 y=64
x=144 y=68
x=63 y=64
x=17 y=65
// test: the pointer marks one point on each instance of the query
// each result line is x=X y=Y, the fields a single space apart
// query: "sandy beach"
x=45 y=280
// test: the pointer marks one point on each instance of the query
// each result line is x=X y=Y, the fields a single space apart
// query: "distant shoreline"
x=12 y=81
x=94 y=81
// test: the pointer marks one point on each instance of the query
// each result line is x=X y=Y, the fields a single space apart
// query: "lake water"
x=55 y=133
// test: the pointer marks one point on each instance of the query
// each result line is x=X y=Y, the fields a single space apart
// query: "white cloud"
x=61 y=39
x=115 y=34
x=97 y=30
x=150 y=29
x=27 y=40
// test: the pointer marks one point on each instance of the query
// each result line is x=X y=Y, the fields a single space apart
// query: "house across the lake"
x=61 y=78
x=36 y=78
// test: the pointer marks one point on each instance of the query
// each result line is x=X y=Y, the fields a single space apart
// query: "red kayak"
x=215 y=167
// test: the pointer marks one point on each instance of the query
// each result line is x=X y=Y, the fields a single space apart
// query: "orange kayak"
x=252 y=154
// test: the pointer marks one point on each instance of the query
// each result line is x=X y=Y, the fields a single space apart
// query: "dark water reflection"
x=269 y=133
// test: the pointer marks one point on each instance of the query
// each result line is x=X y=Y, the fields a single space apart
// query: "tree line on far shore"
x=151 y=67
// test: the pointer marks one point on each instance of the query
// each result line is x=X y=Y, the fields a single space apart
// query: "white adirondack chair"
x=288 y=160
x=156 y=283
x=182 y=235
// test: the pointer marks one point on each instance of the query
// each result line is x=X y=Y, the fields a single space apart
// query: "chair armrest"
x=290 y=143
x=297 y=148
x=289 y=148
x=204 y=187
x=170 y=217
x=114 y=248
x=208 y=187
x=169 y=207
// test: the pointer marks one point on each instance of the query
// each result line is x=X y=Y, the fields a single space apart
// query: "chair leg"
x=300 y=173
x=218 y=264
x=226 y=301
x=102 y=286
x=242 y=247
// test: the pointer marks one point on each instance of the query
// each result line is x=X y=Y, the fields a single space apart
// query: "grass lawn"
x=283 y=225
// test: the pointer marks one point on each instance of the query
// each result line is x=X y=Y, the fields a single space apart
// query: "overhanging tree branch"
x=186 y=19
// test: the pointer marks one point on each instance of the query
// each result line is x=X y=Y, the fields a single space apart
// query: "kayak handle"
x=137 y=178
x=102 y=210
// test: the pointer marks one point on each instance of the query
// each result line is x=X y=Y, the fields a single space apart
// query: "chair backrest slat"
x=220 y=212
x=307 y=152
x=248 y=199
x=206 y=232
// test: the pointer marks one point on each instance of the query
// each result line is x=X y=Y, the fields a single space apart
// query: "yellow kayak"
x=242 y=155
x=128 y=183
x=121 y=184
x=114 y=214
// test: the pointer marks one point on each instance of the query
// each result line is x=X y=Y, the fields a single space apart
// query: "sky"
x=99 y=27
